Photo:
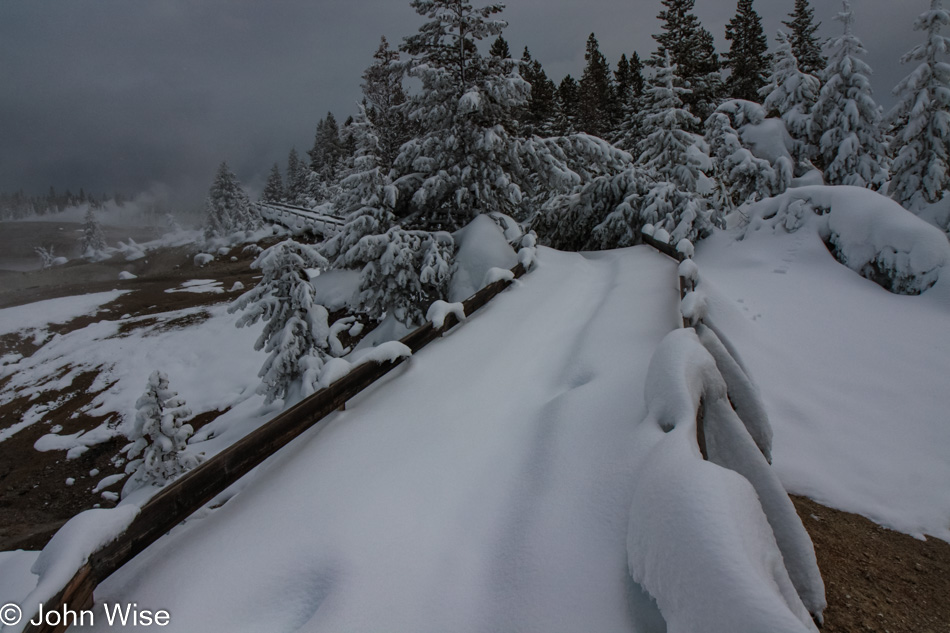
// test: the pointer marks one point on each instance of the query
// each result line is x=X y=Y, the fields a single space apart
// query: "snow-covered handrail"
x=698 y=388
x=298 y=217
x=184 y=496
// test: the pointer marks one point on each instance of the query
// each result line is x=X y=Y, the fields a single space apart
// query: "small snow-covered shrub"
x=296 y=329
x=867 y=232
x=158 y=437
x=46 y=255
x=93 y=242
x=406 y=271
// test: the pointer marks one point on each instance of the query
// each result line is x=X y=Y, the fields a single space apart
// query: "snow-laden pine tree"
x=790 y=95
x=296 y=181
x=158 y=437
x=611 y=205
x=921 y=119
x=384 y=94
x=666 y=150
x=805 y=45
x=465 y=159
x=274 y=189
x=670 y=153
x=326 y=154
x=846 y=120
x=296 y=329
x=227 y=208
x=748 y=56
x=367 y=198
x=692 y=52
x=93 y=242
x=740 y=176
x=405 y=272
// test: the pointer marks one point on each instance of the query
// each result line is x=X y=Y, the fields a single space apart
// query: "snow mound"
x=482 y=246
x=441 y=309
x=70 y=549
x=865 y=231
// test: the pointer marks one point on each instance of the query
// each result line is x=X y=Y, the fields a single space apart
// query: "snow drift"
x=865 y=231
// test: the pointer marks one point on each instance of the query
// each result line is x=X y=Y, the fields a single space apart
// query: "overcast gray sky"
x=122 y=94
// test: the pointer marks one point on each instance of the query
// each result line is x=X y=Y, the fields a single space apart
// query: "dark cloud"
x=120 y=94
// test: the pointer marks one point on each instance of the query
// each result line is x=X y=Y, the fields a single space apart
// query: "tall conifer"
x=805 y=45
x=595 y=96
x=748 y=56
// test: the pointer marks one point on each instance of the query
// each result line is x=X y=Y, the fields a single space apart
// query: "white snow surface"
x=444 y=499
x=482 y=247
x=212 y=364
x=853 y=377
x=68 y=551
x=867 y=229
x=38 y=316
x=441 y=309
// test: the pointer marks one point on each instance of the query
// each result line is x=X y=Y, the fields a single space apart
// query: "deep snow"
x=852 y=376
x=501 y=504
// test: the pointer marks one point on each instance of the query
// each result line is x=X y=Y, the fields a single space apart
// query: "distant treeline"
x=18 y=205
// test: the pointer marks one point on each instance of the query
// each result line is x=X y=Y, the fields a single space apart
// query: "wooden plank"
x=184 y=496
x=663 y=247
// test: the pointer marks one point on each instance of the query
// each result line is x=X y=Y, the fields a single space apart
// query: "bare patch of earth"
x=877 y=579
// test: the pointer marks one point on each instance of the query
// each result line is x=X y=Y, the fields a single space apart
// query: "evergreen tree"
x=367 y=198
x=629 y=129
x=748 y=56
x=405 y=272
x=465 y=160
x=227 y=208
x=740 y=176
x=692 y=52
x=568 y=104
x=541 y=112
x=595 y=98
x=671 y=155
x=158 y=437
x=499 y=49
x=805 y=45
x=666 y=150
x=274 y=189
x=296 y=329
x=93 y=242
x=297 y=186
x=326 y=153
x=846 y=120
x=790 y=94
x=384 y=94
x=921 y=118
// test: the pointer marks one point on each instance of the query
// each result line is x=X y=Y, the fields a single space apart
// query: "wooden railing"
x=184 y=496
x=325 y=223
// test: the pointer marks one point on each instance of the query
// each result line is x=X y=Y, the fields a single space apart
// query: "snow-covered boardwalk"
x=484 y=486
x=299 y=218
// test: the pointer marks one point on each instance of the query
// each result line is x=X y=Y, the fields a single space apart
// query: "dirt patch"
x=877 y=579
x=35 y=499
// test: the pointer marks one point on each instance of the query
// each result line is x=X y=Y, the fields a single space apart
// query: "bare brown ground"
x=877 y=579
x=34 y=498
